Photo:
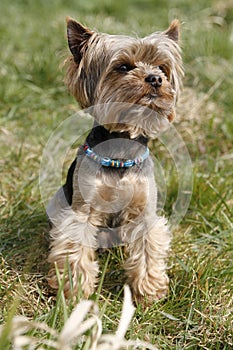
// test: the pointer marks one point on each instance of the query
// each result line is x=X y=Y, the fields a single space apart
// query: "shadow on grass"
x=24 y=241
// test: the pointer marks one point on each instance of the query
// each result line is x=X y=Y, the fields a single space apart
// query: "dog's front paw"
x=147 y=290
x=82 y=284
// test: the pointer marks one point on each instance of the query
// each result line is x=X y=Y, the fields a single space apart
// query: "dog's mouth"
x=157 y=101
x=152 y=96
x=161 y=102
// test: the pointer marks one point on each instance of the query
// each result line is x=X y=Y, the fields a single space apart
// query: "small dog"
x=130 y=86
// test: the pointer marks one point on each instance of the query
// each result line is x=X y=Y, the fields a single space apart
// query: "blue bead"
x=89 y=152
x=106 y=161
x=128 y=163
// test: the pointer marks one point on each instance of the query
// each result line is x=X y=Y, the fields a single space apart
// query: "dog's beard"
x=132 y=118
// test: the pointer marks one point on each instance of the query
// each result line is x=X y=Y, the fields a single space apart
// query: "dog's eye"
x=164 y=70
x=124 y=68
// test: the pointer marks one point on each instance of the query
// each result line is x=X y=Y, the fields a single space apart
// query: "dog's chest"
x=112 y=197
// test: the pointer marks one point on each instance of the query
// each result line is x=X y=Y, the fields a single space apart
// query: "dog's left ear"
x=77 y=36
x=173 y=32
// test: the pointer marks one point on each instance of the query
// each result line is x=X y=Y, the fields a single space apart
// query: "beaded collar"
x=114 y=163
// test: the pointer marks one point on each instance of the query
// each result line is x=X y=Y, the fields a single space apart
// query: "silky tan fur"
x=132 y=86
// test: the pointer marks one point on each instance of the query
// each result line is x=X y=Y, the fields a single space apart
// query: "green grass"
x=198 y=312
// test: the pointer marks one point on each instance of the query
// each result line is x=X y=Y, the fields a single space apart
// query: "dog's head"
x=108 y=69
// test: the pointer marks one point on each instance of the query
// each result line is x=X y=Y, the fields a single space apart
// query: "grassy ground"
x=198 y=312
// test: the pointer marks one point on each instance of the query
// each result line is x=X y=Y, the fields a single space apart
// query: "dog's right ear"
x=173 y=32
x=77 y=36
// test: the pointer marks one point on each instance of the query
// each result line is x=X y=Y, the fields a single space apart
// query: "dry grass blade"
x=83 y=318
x=126 y=316
x=75 y=321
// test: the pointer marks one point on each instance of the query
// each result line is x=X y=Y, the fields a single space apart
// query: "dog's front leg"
x=146 y=264
x=72 y=250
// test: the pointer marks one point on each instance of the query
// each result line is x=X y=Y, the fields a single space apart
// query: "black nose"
x=154 y=80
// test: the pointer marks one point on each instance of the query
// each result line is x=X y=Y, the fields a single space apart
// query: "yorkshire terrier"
x=130 y=86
